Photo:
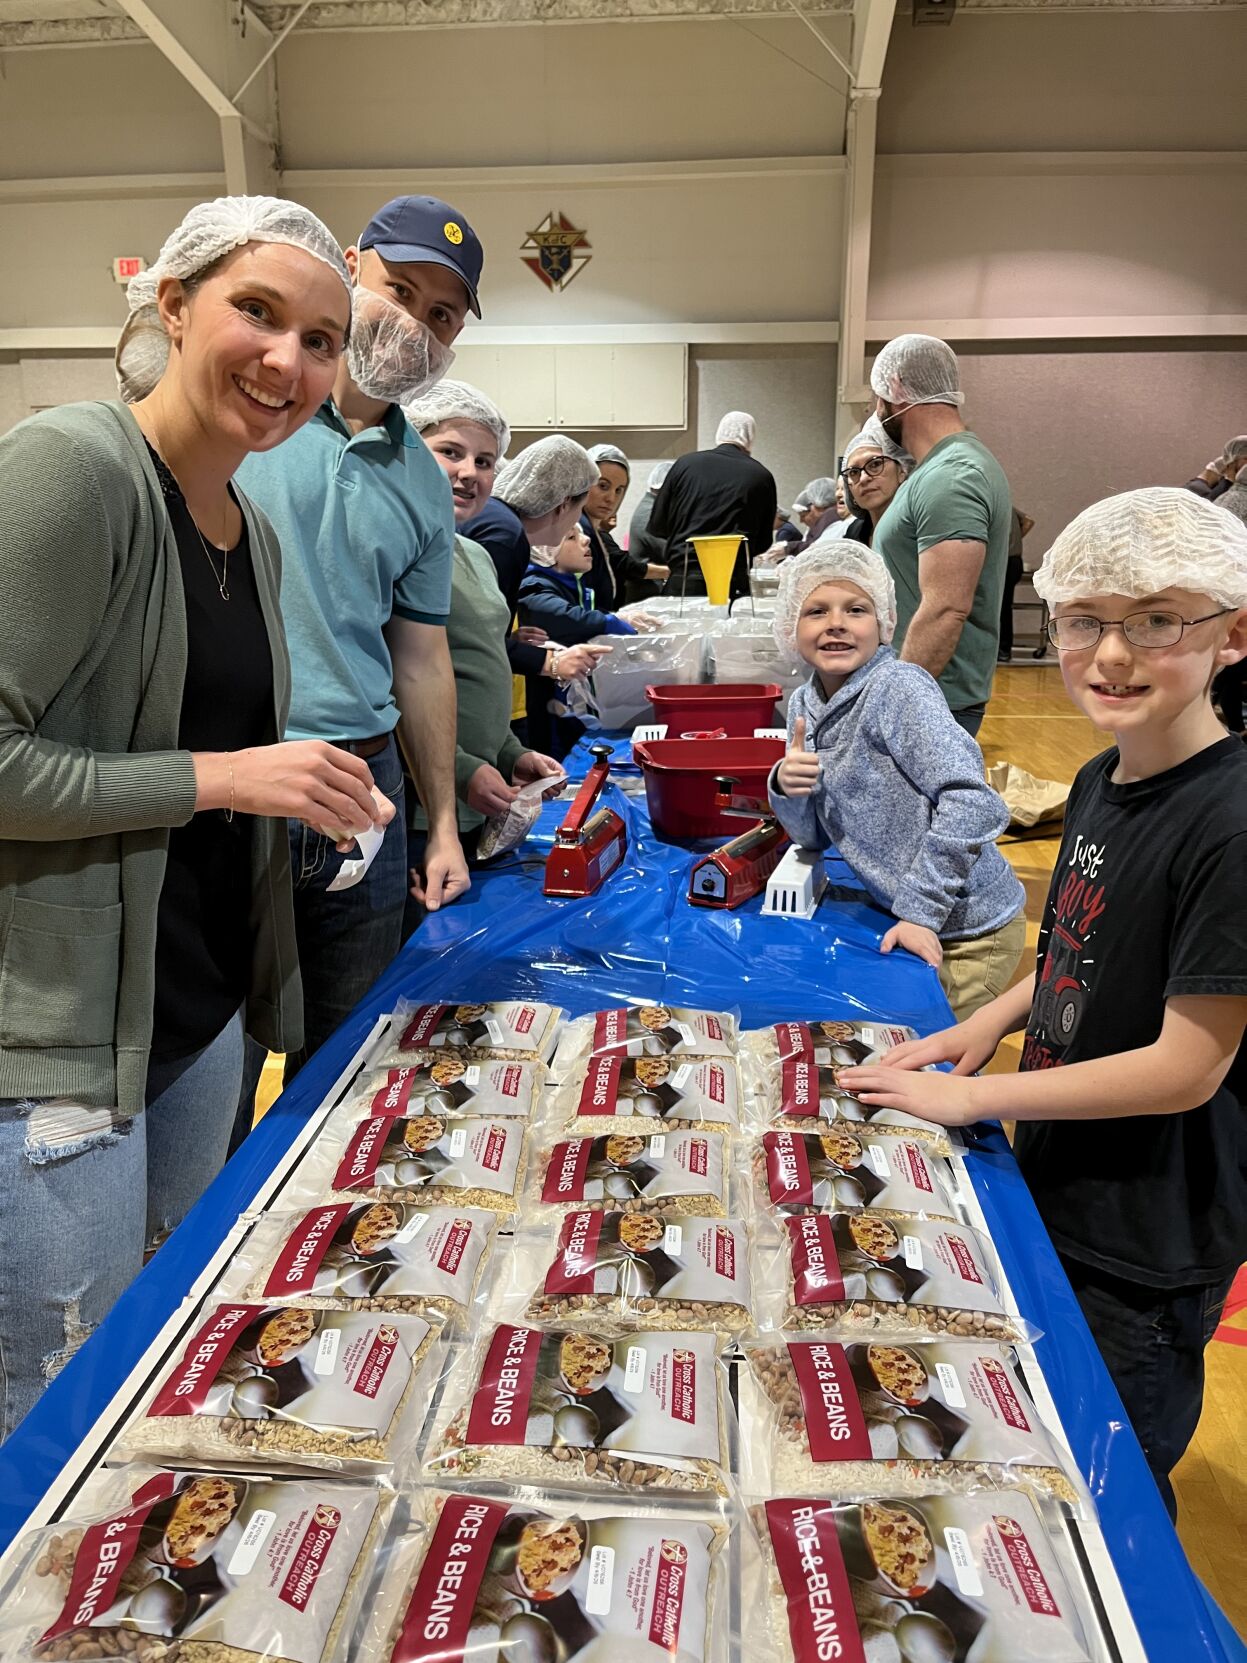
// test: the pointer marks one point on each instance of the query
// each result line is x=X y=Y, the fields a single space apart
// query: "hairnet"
x=874 y=436
x=819 y=493
x=455 y=401
x=658 y=474
x=610 y=453
x=1141 y=542
x=391 y=355
x=832 y=559
x=917 y=369
x=1236 y=450
x=209 y=232
x=545 y=474
x=736 y=428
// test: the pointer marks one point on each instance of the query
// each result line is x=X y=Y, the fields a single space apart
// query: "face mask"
x=390 y=355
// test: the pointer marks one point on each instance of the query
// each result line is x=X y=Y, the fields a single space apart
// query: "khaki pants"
x=975 y=972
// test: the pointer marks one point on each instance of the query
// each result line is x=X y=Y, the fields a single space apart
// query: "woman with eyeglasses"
x=873 y=469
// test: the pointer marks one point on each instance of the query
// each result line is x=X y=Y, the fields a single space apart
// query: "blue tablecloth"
x=639 y=939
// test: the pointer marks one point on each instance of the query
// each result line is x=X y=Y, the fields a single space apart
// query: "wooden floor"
x=1030 y=722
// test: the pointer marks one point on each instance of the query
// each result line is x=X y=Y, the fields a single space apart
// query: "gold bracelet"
x=229 y=812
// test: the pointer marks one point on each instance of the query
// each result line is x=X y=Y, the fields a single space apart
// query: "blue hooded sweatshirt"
x=901 y=795
x=562 y=604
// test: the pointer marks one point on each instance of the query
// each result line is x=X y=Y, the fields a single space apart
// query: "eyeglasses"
x=871 y=468
x=1141 y=629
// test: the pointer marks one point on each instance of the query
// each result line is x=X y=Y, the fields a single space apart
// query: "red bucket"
x=680 y=781
x=736 y=707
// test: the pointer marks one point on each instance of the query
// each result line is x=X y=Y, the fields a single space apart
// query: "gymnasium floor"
x=1030 y=722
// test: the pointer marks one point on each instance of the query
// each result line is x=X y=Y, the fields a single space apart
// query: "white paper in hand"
x=369 y=842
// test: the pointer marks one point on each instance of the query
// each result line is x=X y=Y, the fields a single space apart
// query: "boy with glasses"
x=1129 y=1104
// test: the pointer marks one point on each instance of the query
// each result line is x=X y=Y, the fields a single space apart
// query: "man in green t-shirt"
x=945 y=535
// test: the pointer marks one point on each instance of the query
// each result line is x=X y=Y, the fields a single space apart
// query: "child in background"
x=878 y=767
x=556 y=596
x=1131 y=1132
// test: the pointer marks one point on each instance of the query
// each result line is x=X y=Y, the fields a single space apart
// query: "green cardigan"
x=476 y=634
x=92 y=664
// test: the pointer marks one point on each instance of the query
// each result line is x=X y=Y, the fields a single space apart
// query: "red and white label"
x=714 y=1028
x=610 y=1030
x=794 y=1041
x=186 y=1389
x=1005 y=1399
x=574 y=1267
x=304 y=1248
x=669 y=1581
x=423 y=1025
x=510 y=1079
x=716 y=1082
x=377 y=1360
x=103 y=1555
x=600 y=1092
x=358 y=1167
x=309 y=1557
x=684 y=1386
x=822 y=1623
x=492 y=1148
x=725 y=1253
x=439 y=1614
x=816 y=1276
x=788 y=1176
x=499 y=1412
x=523 y=1018
x=1030 y=1579
x=395 y=1094
x=565 y=1174
x=834 y=1423
x=695 y=1156
x=798 y=1084
x=958 y=1256
x=917 y=1167
x=450 y=1257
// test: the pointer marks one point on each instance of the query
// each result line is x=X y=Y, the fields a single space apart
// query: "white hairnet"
x=544 y=475
x=917 y=369
x=736 y=428
x=658 y=474
x=1141 y=542
x=390 y=354
x=819 y=493
x=610 y=453
x=874 y=436
x=832 y=559
x=209 y=232
x=456 y=401
x=1236 y=450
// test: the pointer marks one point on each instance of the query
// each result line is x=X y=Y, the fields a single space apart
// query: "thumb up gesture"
x=798 y=772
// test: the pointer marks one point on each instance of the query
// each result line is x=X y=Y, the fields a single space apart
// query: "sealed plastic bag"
x=520 y=1028
x=800 y=1095
x=641 y=1095
x=506 y=831
x=554 y=1406
x=981 y=1578
x=372 y=1256
x=550 y=1580
x=680 y=1172
x=645 y=1031
x=614 y=1272
x=852 y=1273
x=844 y=1167
x=826 y=1419
x=468 y=1163
x=827 y=1043
x=291 y=1386
x=198 y=1567
x=449 y=1086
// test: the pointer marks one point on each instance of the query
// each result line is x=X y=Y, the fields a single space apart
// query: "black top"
x=203 y=929
x=500 y=532
x=1147 y=903
x=713 y=493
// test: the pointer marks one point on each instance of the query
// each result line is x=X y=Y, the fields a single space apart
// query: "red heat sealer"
x=588 y=846
x=739 y=869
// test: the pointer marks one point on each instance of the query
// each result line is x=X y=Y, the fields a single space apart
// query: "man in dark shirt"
x=715 y=493
x=1131 y=1126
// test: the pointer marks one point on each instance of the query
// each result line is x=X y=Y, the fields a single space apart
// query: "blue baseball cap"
x=427 y=231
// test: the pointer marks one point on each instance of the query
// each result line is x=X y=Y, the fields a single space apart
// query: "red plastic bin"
x=736 y=707
x=680 y=781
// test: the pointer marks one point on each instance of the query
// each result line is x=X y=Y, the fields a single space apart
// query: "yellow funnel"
x=717 y=558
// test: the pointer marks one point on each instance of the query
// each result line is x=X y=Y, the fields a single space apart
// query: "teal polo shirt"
x=366 y=526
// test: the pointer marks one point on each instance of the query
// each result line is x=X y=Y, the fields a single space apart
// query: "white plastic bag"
x=505 y=831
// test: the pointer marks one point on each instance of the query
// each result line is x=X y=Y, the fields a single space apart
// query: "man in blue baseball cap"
x=365 y=519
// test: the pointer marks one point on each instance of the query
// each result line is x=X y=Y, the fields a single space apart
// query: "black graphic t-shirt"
x=1148 y=902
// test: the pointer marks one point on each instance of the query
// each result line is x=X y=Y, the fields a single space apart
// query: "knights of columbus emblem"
x=556 y=251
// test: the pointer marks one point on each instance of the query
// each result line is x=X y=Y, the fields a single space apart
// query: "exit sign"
x=126 y=266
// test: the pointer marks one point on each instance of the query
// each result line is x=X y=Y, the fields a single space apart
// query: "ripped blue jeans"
x=85 y=1197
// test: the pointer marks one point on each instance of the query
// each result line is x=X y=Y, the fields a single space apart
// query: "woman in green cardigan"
x=145 y=913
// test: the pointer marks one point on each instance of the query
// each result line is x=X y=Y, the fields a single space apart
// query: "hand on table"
x=798 y=772
x=968 y=1045
x=916 y=939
